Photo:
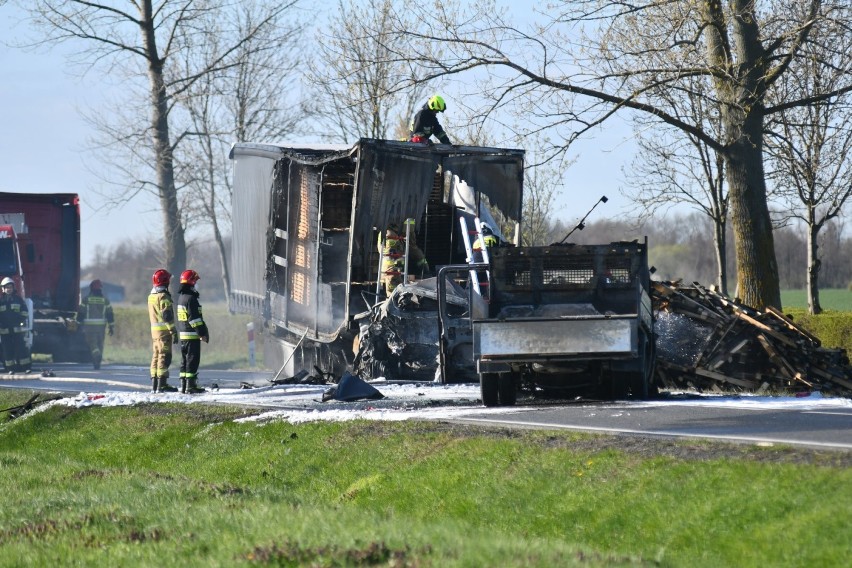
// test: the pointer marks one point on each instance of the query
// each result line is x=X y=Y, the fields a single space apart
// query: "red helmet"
x=96 y=286
x=161 y=278
x=189 y=277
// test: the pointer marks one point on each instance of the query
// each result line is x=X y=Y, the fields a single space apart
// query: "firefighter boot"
x=194 y=388
x=183 y=385
x=164 y=386
x=154 y=384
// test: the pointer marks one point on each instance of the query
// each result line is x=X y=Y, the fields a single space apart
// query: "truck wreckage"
x=562 y=320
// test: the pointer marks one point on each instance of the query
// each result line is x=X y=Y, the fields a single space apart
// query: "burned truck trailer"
x=307 y=220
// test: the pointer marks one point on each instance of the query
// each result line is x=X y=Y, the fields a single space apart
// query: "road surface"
x=809 y=421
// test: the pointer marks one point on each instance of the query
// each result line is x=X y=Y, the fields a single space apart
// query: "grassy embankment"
x=187 y=485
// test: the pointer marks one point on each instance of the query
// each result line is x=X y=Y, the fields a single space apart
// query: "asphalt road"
x=683 y=415
x=689 y=417
x=73 y=377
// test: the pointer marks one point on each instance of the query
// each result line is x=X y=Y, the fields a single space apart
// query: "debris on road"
x=708 y=341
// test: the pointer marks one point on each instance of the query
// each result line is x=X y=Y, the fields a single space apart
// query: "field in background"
x=228 y=347
x=839 y=299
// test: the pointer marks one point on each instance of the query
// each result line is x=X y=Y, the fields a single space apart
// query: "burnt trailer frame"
x=306 y=220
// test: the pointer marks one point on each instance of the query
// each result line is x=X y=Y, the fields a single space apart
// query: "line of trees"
x=737 y=103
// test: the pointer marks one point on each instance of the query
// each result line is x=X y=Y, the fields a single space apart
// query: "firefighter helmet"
x=486 y=229
x=189 y=277
x=96 y=285
x=161 y=278
x=437 y=103
x=6 y=282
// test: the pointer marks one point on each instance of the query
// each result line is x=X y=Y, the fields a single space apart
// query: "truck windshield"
x=8 y=264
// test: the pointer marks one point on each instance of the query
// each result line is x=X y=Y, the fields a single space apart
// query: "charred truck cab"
x=307 y=220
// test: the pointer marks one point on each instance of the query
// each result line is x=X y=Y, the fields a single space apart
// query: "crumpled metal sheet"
x=401 y=342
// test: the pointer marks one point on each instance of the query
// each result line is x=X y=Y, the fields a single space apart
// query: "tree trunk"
x=720 y=240
x=813 y=268
x=757 y=270
x=173 y=233
x=741 y=95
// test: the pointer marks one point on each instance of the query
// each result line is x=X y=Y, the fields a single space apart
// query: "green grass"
x=188 y=486
x=228 y=347
x=832 y=299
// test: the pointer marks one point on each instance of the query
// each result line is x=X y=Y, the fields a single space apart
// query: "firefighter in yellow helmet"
x=487 y=240
x=161 y=312
x=13 y=327
x=425 y=123
x=95 y=315
x=393 y=255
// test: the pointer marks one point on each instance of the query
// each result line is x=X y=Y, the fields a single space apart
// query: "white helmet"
x=6 y=281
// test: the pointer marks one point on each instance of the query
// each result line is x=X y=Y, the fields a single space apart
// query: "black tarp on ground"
x=350 y=388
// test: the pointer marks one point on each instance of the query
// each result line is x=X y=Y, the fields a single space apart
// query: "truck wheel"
x=506 y=389
x=489 y=389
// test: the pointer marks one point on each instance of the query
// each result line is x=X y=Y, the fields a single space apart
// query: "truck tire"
x=507 y=391
x=489 y=389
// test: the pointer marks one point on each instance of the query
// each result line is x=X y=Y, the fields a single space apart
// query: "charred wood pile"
x=710 y=342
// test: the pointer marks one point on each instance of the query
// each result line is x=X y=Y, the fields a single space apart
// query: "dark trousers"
x=16 y=357
x=190 y=351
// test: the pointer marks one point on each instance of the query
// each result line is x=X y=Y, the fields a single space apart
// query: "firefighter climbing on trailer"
x=425 y=123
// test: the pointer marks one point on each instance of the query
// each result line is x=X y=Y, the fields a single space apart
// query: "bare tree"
x=136 y=41
x=584 y=63
x=810 y=145
x=672 y=168
x=248 y=101
x=362 y=90
x=540 y=193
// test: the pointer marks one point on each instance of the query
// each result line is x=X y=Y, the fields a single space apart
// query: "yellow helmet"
x=436 y=103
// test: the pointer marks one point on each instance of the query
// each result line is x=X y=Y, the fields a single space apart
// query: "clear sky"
x=44 y=138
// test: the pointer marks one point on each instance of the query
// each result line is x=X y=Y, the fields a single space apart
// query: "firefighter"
x=488 y=238
x=192 y=331
x=13 y=326
x=393 y=263
x=425 y=123
x=95 y=315
x=163 y=332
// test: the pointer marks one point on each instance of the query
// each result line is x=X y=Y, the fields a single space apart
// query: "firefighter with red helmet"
x=95 y=315
x=161 y=312
x=425 y=123
x=13 y=326
x=192 y=331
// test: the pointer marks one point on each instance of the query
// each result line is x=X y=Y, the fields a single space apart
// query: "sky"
x=44 y=141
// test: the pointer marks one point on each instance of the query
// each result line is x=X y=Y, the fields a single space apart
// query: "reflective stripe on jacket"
x=190 y=322
x=95 y=310
x=161 y=311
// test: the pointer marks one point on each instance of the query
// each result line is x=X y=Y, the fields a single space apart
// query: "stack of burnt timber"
x=710 y=342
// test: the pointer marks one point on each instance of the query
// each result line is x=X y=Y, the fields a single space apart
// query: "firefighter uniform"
x=163 y=335
x=192 y=331
x=393 y=259
x=425 y=125
x=13 y=321
x=95 y=315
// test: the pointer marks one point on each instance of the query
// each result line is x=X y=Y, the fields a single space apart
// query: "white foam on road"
x=303 y=403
